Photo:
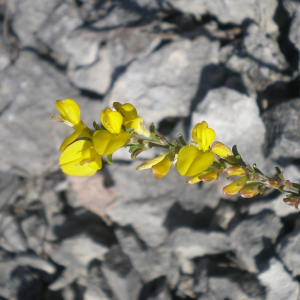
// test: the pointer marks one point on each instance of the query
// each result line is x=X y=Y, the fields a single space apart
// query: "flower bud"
x=160 y=165
x=293 y=201
x=208 y=175
x=220 y=149
x=234 y=187
x=250 y=190
x=234 y=170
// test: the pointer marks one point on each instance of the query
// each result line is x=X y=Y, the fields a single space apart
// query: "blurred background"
x=122 y=234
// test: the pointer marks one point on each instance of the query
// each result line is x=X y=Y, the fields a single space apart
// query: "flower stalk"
x=201 y=160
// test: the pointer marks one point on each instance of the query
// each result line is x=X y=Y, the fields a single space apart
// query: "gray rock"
x=227 y=11
x=9 y=185
x=119 y=50
x=110 y=17
x=75 y=254
x=27 y=18
x=255 y=76
x=12 y=239
x=235 y=119
x=31 y=93
x=226 y=288
x=279 y=284
x=247 y=238
x=151 y=263
x=188 y=244
x=8 y=265
x=140 y=214
x=172 y=73
x=124 y=281
x=56 y=31
x=294 y=34
x=289 y=252
x=263 y=48
x=282 y=136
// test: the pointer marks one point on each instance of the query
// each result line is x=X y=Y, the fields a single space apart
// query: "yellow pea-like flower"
x=160 y=165
x=111 y=120
x=69 y=111
x=80 y=159
x=203 y=136
x=208 y=175
x=130 y=118
x=106 y=143
x=192 y=161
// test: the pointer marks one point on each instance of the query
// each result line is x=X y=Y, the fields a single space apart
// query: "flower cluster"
x=200 y=160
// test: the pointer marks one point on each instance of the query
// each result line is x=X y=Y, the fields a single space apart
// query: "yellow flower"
x=111 y=120
x=114 y=137
x=70 y=115
x=130 y=118
x=69 y=112
x=193 y=160
x=106 y=142
x=160 y=165
x=80 y=159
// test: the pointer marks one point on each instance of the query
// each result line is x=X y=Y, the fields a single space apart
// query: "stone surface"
x=31 y=93
x=263 y=48
x=227 y=11
x=28 y=17
x=294 y=34
x=288 y=250
x=75 y=254
x=124 y=281
x=248 y=238
x=188 y=244
x=282 y=130
x=172 y=73
x=56 y=31
x=279 y=284
x=151 y=263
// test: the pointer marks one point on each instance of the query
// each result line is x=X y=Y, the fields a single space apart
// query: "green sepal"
x=135 y=153
x=96 y=126
x=109 y=159
x=181 y=140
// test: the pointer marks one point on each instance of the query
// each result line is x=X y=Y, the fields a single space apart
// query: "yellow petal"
x=106 y=143
x=192 y=161
x=111 y=120
x=70 y=159
x=81 y=131
x=151 y=162
x=69 y=110
x=70 y=139
x=160 y=169
x=203 y=136
x=220 y=149
x=208 y=175
x=127 y=110
x=234 y=187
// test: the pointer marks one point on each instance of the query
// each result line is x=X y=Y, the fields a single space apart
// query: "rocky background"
x=122 y=234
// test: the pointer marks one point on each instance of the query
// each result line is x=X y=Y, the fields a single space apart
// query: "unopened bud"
x=234 y=170
x=205 y=176
x=273 y=184
x=249 y=190
x=234 y=187
x=293 y=201
x=220 y=149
